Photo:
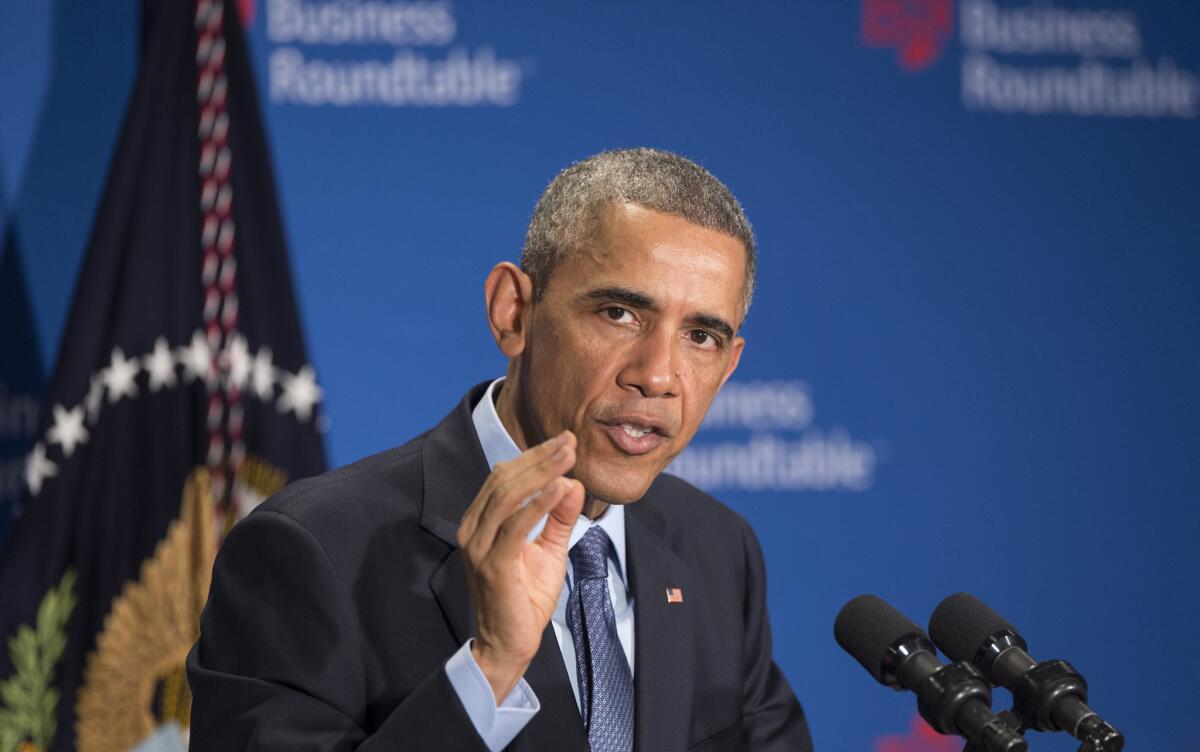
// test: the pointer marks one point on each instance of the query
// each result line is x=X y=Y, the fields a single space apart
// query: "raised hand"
x=515 y=582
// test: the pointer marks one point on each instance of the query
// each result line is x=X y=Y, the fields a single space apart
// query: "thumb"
x=561 y=519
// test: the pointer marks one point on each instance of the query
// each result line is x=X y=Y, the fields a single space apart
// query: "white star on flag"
x=38 y=468
x=196 y=359
x=237 y=362
x=119 y=376
x=300 y=393
x=160 y=364
x=68 y=429
x=263 y=374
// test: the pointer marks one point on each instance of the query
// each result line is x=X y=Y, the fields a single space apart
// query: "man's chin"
x=615 y=485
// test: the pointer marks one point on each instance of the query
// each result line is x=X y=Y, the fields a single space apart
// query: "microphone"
x=953 y=699
x=1047 y=696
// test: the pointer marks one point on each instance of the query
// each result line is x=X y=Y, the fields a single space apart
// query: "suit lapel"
x=663 y=646
x=454 y=469
x=449 y=585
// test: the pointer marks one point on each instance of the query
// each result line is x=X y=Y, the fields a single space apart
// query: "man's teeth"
x=636 y=432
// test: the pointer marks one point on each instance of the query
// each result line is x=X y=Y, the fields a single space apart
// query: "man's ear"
x=509 y=294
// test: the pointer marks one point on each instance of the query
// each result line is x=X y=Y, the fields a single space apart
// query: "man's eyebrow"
x=631 y=298
x=716 y=323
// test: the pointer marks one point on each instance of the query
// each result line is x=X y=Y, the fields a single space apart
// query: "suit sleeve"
x=278 y=663
x=772 y=718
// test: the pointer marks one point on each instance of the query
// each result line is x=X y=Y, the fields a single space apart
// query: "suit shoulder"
x=385 y=484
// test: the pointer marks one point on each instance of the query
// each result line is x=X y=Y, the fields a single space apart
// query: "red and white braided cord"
x=226 y=448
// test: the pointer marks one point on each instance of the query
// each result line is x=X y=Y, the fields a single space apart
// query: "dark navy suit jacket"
x=336 y=603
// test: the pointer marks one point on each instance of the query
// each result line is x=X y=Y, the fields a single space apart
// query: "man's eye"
x=617 y=314
x=702 y=338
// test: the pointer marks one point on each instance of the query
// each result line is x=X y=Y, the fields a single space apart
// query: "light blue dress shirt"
x=498 y=723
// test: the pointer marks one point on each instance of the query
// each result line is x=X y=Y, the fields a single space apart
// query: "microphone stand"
x=1010 y=720
x=1055 y=694
x=956 y=698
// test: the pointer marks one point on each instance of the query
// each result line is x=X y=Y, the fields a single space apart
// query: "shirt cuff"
x=496 y=725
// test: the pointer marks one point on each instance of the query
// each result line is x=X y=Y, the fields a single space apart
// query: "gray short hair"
x=566 y=215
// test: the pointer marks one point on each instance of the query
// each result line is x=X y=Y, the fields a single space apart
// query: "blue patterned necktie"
x=605 y=682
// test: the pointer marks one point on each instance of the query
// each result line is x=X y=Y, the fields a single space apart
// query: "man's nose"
x=653 y=365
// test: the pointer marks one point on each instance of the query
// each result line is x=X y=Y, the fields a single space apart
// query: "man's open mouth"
x=635 y=434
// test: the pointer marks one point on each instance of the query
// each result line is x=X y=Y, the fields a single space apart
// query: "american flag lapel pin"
x=674 y=595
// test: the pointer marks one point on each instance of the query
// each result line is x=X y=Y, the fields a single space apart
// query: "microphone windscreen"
x=867 y=626
x=962 y=623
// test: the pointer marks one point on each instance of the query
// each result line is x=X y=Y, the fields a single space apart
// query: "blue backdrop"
x=973 y=362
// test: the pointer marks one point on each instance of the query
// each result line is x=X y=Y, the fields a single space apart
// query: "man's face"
x=630 y=343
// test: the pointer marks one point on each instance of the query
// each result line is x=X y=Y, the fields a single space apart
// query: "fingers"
x=507 y=470
x=512 y=484
x=523 y=490
x=557 y=499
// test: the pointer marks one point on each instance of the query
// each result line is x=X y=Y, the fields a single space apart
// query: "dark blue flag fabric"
x=20 y=377
x=180 y=398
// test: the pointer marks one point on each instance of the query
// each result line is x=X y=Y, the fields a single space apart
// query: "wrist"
x=502 y=672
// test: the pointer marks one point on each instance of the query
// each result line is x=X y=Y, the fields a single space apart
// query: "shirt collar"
x=498 y=446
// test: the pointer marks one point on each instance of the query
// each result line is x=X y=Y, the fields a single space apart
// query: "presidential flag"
x=180 y=398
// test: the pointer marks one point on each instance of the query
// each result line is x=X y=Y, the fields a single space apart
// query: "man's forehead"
x=630 y=234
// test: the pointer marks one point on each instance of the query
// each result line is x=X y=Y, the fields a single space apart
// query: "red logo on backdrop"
x=246 y=12
x=917 y=29
x=920 y=738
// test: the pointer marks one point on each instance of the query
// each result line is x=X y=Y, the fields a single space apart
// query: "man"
x=523 y=575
